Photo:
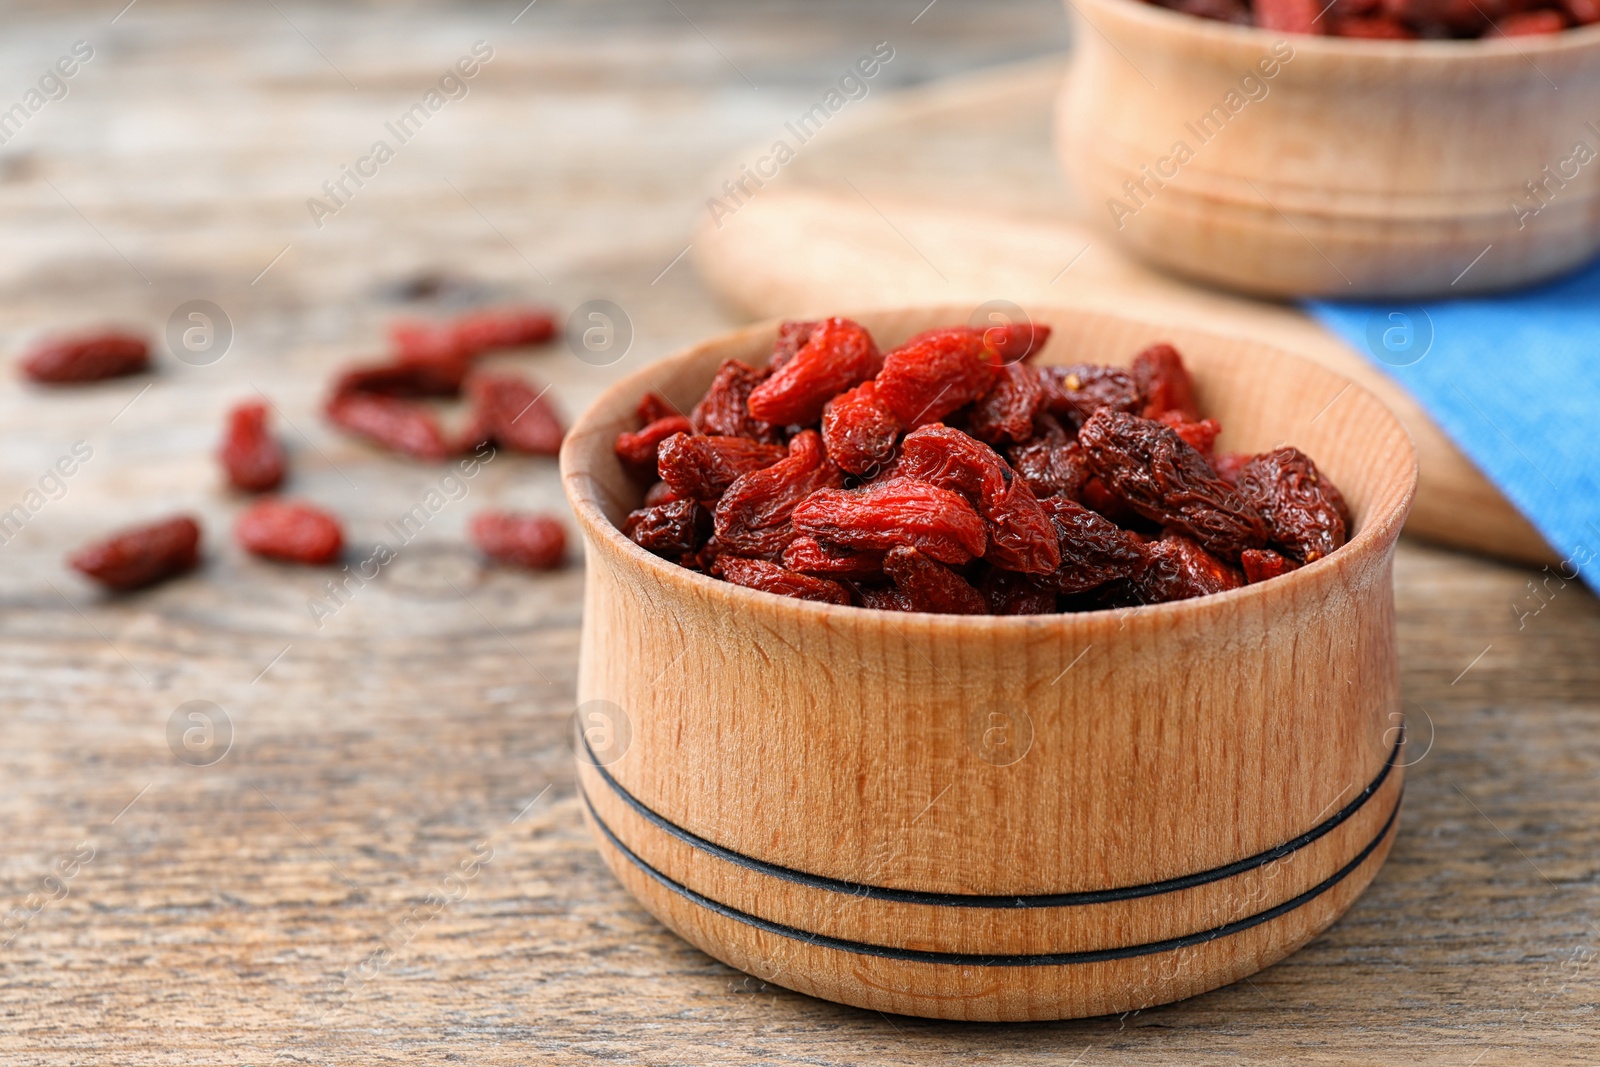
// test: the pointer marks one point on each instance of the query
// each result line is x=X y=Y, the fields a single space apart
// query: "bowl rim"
x=1379 y=532
x=1157 y=18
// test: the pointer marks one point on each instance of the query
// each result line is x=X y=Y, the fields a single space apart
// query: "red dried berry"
x=88 y=357
x=1200 y=436
x=653 y=407
x=771 y=578
x=725 y=410
x=289 y=531
x=141 y=555
x=934 y=373
x=1020 y=536
x=515 y=415
x=931 y=586
x=1095 y=496
x=1179 y=569
x=1376 y=28
x=1013 y=594
x=1304 y=512
x=1016 y=341
x=1229 y=464
x=859 y=430
x=1051 y=463
x=1288 y=16
x=792 y=336
x=1259 y=564
x=521 y=539
x=404 y=380
x=1165 y=383
x=697 y=467
x=638 y=450
x=401 y=425
x=1077 y=392
x=492 y=328
x=810 y=556
x=251 y=457
x=884 y=598
x=1094 y=550
x=1163 y=479
x=838 y=355
x=899 y=512
x=671 y=529
x=659 y=493
x=1583 y=12
x=1007 y=412
x=753 y=516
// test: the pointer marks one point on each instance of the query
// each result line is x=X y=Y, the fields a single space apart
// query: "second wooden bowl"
x=1290 y=165
x=1000 y=818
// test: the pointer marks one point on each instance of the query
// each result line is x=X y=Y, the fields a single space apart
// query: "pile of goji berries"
x=1398 y=19
x=381 y=402
x=953 y=475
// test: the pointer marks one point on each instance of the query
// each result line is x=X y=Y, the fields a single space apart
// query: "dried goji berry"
x=885 y=515
x=1094 y=550
x=934 y=373
x=753 y=516
x=1200 y=436
x=859 y=430
x=1304 y=512
x=251 y=457
x=87 y=357
x=838 y=355
x=931 y=586
x=488 y=329
x=698 y=467
x=1014 y=594
x=290 y=531
x=1050 y=462
x=653 y=407
x=1229 y=464
x=659 y=493
x=521 y=539
x=810 y=556
x=1288 y=16
x=402 y=425
x=514 y=414
x=671 y=529
x=1178 y=569
x=1020 y=536
x=1016 y=341
x=792 y=336
x=1375 y=28
x=1164 y=382
x=1583 y=12
x=1259 y=564
x=1077 y=392
x=406 y=380
x=771 y=578
x=725 y=410
x=1163 y=479
x=638 y=449
x=141 y=555
x=884 y=598
x=1007 y=412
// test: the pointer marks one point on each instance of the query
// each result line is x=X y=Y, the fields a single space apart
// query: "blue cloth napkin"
x=1514 y=380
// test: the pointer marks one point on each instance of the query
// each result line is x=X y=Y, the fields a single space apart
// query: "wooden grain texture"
x=215 y=922
x=840 y=742
x=951 y=191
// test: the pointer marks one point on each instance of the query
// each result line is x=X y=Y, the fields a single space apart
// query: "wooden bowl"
x=1360 y=168
x=1000 y=818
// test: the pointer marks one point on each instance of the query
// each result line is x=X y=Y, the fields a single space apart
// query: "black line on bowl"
x=976 y=900
x=964 y=959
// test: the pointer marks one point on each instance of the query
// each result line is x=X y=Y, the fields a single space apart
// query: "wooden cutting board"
x=951 y=192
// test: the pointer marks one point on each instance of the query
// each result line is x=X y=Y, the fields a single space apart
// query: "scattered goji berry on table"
x=289 y=531
x=88 y=357
x=142 y=555
x=521 y=539
x=511 y=412
x=251 y=457
x=402 y=425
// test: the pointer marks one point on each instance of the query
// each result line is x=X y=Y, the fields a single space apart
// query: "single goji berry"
x=659 y=493
x=886 y=515
x=671 y=529
x=934 y=373
x=1016 y=341
x=859 y=430
x=792 y=336
x=1177 y=569
x=1050 y=462
x=1229 y=464
x=1007 y=412
x=838 y=355
x=753 y=516
x=488 y=329
x=653 y=407
x=87 y=357
x=141 y=555
x=725 y=410
x=1163 y=479
x=931 y=586
x=771 y=578
x=638 y=449
x=810 y=556
x=698 y=467
x=521 y=539
x=1014 y=594
x=1164 y=382
x=1077 y=392
x=1304 y=512
x=883 y=598
x=289 y=531
x=515 y=415
x=1259 y=564
x=405 y=380
x=402 y=425
x=1094 y=550
x=1200 y=436
x=251 y=457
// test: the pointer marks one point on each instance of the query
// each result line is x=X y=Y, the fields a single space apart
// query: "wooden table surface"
x=275 y=904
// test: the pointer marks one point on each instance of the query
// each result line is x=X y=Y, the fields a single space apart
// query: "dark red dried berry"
x=1229 y=464
x=1014 y=594
x=1007 y=412
x=771 y=578
x=464 y=338
x=251 y=457
x=792 y=336
x=701 y=468
x=289 y=531
x=1165 y=383
x=404 y=380
x=1050 y=462
x=659 y=493
x=1077 y=392
x=1163 y=479
x=898 y=512
x=934 y=373
x=141 y=555
x=859 y=430
x=1304 y=512
x=671 y=529
x=88 y=357
x=1200 y=436
x=512 y=413
x=1016 y=342
x=838 y=355
x=1179 y=569
x=521 y=539
x=810 y=556
x=884 y=598
x=753 y=516
x=931 y=586
x=725 y=411
x=1259 y=564
x=1094 y=550
x=653 y=407
x=638 y=450
x=401 y=425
